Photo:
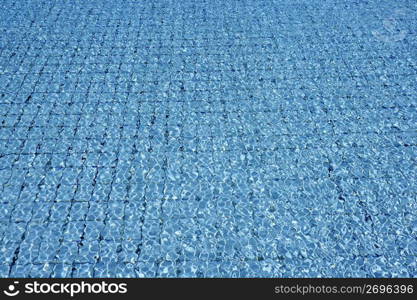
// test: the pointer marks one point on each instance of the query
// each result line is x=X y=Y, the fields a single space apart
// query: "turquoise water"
x=208 y=138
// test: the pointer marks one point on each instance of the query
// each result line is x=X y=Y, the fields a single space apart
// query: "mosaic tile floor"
x=207 y=138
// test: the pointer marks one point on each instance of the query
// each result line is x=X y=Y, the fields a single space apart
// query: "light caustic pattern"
x=208 y=138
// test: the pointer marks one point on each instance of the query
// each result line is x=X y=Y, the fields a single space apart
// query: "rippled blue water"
x=207 y=138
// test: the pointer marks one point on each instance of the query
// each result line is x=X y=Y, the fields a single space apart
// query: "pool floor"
x=208 y=138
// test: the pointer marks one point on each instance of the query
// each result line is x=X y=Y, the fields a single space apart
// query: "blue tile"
x=163 y=141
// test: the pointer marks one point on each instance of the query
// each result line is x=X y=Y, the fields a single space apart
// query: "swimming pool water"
x=208 y=138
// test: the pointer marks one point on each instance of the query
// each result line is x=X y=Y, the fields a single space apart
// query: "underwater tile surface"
x=208 y=138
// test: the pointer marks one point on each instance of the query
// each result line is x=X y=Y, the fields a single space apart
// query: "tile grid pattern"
x=207 y=138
